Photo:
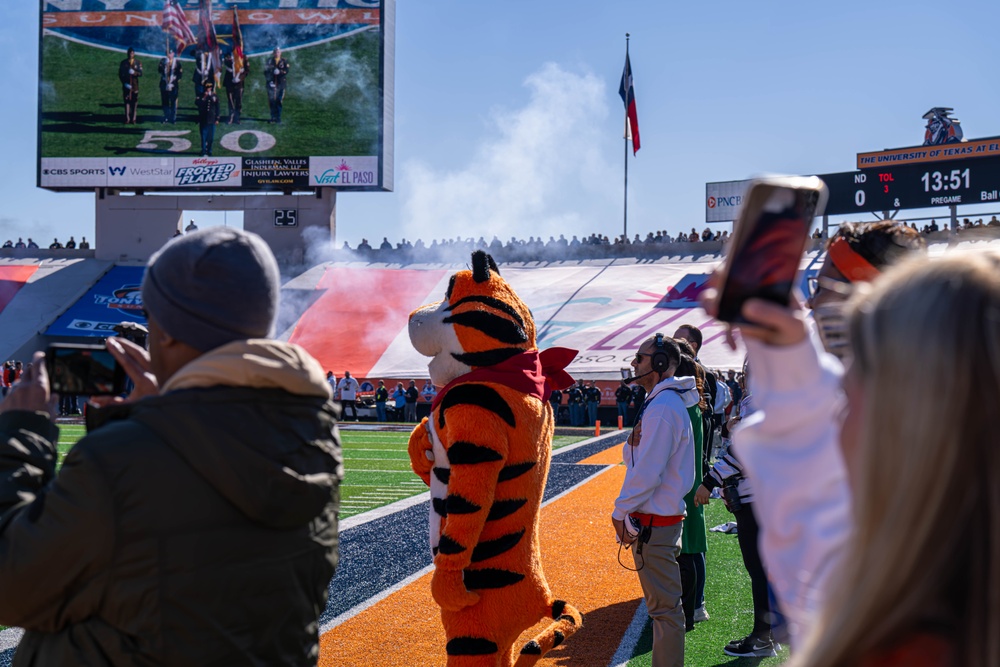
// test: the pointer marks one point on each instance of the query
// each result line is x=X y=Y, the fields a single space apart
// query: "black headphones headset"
x=659 y=360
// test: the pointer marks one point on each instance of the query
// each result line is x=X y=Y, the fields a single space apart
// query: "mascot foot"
x=567 y=621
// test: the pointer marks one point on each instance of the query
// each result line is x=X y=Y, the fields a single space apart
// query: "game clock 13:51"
x=972 y=181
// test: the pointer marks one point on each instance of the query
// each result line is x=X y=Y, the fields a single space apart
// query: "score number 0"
x=176 y=143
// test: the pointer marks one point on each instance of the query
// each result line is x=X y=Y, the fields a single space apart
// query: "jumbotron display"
x=216 y=94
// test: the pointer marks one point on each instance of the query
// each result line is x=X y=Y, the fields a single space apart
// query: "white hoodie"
x=660 y=470
x=790 y=451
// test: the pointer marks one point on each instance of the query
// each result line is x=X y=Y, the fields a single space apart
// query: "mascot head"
x=481 y=322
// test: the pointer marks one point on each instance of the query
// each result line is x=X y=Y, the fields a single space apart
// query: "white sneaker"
x=700 y=614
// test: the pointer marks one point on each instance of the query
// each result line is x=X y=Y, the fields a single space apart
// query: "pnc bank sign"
x=723 y=200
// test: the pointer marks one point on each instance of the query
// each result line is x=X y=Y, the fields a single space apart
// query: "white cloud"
x=541 y=170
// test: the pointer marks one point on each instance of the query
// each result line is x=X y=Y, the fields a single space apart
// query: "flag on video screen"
x=175 y=24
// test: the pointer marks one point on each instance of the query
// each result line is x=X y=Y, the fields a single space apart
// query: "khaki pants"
x=660 y=578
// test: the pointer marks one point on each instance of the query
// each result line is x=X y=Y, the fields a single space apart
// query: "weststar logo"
x=116 y=171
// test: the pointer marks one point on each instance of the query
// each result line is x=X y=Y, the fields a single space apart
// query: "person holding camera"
x=659 y=457
x=196 y=522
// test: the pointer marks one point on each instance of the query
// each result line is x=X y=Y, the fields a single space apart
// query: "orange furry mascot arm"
x=420 y=447
x=476 y=441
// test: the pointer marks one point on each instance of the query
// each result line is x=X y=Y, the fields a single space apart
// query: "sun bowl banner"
x=116 y=298
x=605 y=312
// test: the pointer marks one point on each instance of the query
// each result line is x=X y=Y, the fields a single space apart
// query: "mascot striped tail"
x=484 y=451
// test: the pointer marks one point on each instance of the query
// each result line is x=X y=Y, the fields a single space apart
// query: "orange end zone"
x=580 y=559
x=611 y=456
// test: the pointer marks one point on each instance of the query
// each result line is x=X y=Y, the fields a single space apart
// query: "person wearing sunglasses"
x=857 y=253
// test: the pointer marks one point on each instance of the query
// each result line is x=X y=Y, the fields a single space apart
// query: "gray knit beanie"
x=213 y=286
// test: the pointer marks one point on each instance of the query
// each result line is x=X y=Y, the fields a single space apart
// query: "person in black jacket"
x=555 y=399
x=196 y=523
x=623 y=396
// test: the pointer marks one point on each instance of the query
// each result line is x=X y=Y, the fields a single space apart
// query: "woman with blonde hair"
x=884 y=551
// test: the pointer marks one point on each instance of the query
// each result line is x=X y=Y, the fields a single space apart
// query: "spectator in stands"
x=192 y=511
x=381 y=398
x=347 y=390
x=992 y=223
x=32 y=244
x=412 y=394
x=363 y=246
x=20 y=243
x=693 y=236
x=8 y=244
x=385 y=244
x=71 y=244
x=191 y=227
x=177 y=232
x=707 y=235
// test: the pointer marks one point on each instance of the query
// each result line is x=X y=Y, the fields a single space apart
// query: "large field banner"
x=216 y=94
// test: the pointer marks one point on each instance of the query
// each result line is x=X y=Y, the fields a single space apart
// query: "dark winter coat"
x=197 y=527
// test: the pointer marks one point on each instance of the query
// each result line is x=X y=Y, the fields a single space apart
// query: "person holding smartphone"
x=877 y=533
x=193 y=511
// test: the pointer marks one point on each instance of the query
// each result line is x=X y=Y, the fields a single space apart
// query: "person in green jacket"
x=694 y=540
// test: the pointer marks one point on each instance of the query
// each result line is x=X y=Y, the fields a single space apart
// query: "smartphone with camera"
x=83 y=370
x=768 y=239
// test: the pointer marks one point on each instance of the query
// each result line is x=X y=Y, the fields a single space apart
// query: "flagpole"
x=625 y=223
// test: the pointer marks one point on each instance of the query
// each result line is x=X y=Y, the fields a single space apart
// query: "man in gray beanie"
x=196 y=523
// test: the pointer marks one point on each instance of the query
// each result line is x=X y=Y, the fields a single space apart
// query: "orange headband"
x=854 y=267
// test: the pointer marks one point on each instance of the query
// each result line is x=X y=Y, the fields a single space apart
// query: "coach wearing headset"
x=659 y=470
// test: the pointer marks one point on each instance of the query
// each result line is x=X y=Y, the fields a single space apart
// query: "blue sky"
x=508 y=119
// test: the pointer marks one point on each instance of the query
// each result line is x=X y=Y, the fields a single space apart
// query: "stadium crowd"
x=596 y=246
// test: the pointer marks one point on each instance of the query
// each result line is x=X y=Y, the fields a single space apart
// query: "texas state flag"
x=628 y=97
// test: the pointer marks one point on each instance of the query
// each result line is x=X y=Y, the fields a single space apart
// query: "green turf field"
x=331 y=104
x=376 y=466
x=727 y=600
x=377 y=469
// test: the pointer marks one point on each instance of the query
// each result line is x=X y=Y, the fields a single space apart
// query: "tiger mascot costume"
x=485 y=454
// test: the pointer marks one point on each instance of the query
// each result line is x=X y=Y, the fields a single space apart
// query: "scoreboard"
x=921 y=185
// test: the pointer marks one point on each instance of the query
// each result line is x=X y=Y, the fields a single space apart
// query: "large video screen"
x=216 y=94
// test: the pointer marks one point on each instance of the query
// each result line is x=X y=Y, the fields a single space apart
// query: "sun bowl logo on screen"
x=265 y=24
x=127 y=299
